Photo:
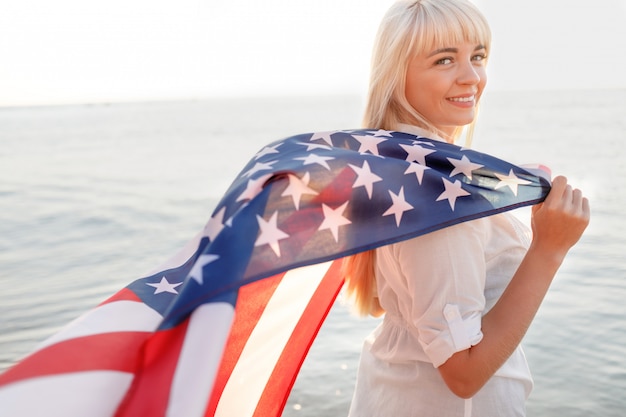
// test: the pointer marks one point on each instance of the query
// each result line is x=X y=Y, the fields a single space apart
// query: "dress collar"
x=418 y=131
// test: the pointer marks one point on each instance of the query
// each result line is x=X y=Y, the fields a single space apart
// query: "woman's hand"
x=560 y=220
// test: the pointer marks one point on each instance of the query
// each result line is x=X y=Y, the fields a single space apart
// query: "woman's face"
x=444 y=85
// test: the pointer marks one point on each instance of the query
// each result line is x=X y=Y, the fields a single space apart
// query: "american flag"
x=223 y=327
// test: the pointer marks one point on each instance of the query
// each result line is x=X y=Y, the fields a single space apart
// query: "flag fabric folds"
x=223 y=327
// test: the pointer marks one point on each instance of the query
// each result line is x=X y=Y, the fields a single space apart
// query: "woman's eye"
x=444 y=61
x=479 y=57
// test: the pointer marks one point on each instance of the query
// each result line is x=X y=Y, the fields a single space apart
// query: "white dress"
x=435 y=289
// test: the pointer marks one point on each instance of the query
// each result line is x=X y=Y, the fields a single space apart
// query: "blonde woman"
x=458 y=301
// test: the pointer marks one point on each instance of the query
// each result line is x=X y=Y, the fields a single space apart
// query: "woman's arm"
x=557 y=225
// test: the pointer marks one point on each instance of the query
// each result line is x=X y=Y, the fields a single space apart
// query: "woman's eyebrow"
x=452 y=50
x=443 y=50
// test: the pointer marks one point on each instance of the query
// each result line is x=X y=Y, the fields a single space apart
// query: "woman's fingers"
x=562 y=218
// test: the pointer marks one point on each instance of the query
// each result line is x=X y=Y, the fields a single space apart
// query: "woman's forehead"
x=450 y=33
x=450 y=44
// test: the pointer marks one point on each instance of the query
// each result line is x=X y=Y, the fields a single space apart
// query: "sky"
x=78 y=51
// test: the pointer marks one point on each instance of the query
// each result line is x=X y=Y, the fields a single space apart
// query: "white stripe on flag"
x=207 y=332
x=117 y=316
x=265 y=345
x=93 y=394
x=181 y=257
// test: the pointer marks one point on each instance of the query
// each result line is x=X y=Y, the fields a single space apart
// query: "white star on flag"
x=333 y=219
x=325 y=136
x=316 y=159
x=229 y=221
x=511 y=181
x=381 y=132
x=369 y=143
x=253 y=188
x=463 y=166
x=312 y=146
x=297 y=187
x=259 y=166
x=270 y=233
x=417 y=153
x=417 y=169
x=215 y=224
x=399 y=205
x=196 y=271
x=164 y=286
x=452 y=192
x=421 y=142
x=267 y=150
x=365 y=178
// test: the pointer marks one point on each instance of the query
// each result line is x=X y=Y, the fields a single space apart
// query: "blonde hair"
x=409 y=28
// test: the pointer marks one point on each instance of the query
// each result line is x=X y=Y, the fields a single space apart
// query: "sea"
x=94 y=196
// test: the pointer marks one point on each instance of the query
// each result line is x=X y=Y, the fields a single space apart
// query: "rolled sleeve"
x=461 y=334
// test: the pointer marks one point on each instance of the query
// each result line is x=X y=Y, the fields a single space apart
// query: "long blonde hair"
x=407 y=29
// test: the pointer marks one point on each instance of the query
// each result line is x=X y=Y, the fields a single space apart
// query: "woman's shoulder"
x=473 y=232
x=512 y=226
x=479 y=231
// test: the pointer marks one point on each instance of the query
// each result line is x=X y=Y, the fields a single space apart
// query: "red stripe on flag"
x=277 y=390
x=150 y=391
x=122 y=295
x=108 y=351
x=251 y=302
x=338 y=191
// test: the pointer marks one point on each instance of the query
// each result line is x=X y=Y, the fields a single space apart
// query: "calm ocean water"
x=92 y=197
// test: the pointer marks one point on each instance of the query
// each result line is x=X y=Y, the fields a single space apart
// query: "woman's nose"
x=469 y=74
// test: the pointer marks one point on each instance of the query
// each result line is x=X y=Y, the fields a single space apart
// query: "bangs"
x=439 y=24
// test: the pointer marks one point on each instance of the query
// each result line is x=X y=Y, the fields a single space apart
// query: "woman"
x=457 y=301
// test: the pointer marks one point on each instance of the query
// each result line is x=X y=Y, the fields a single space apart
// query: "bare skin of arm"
x=557 y=225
